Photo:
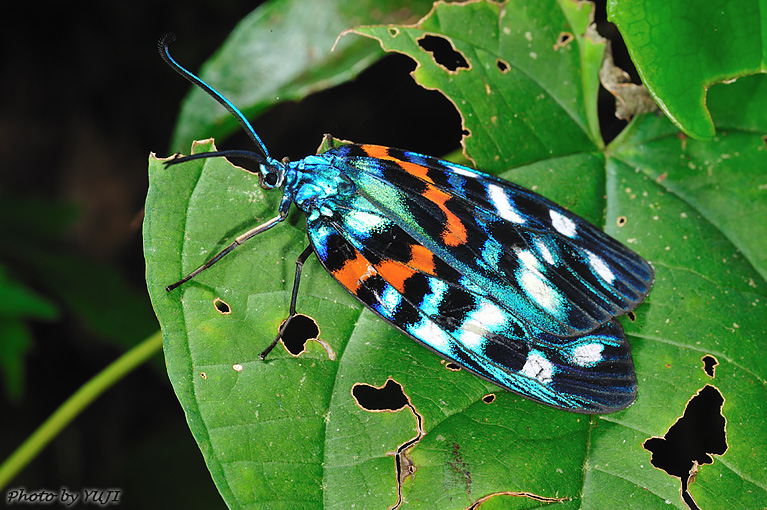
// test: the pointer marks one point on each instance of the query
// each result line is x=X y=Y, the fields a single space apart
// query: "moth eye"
x=270 y=179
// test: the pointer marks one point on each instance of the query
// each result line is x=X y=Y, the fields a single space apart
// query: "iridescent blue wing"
x=548 y=266
x=429 y=299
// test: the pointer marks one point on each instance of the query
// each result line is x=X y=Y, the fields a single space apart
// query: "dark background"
x=84 y=100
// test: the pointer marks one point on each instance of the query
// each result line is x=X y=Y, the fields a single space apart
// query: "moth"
x=488 y=274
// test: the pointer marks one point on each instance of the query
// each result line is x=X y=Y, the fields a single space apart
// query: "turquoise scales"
x=497 y=278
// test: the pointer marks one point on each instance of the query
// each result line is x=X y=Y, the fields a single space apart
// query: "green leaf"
x=682 y=48
x=16 y=344
x=282 y=52
x=708 y=299
x=288 y=433
x=16 y=300
x=18 y=304
x=193 y=210
x=517 y=64
x=740 y=105
x=723 y=180
x=32 y=229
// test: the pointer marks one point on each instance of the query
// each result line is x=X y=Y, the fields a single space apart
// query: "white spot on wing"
x=538 y=367
x=528 y=259
x=562 y=224
x=544 y=251
x=432 y=335
x=463 y=171
x=470 y=335
x=478 y=323
x=587 y=355
x=501 y=201
x=538 y=289
x=601 y=267
x=490 y=314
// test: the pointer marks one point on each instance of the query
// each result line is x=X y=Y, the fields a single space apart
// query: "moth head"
x=272 y=173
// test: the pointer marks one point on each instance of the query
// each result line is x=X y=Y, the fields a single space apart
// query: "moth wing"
x=423 y=297
x=560 y=273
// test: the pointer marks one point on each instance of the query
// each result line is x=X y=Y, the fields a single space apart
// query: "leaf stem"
x=75 y=404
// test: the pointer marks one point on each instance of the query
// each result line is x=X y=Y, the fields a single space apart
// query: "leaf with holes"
x=289 y=431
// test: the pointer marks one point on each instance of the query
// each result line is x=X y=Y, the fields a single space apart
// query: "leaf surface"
x=288 y=433
x=680 y=49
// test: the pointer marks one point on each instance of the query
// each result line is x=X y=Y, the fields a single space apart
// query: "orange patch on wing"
x=380 y=152
x=377 y=151
x=395 y=273
x=454 y=233
x=353 y=272
x=421 y=259
x=419 y=171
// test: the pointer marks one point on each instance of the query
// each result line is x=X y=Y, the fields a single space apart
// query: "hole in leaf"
x=631 y=316
x=222 y=306
x=300 y=329
x=691 y=441
x=489 y=398
x=389 y=397
x=393 y=31
x=709 y=364
x=404 y=465
x=203 y=375
x=621 y=221
x=443 y=52
x=453 y=367
x=563 y=40
x=502 y=65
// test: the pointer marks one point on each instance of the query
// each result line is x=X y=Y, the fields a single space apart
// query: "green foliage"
x=35 y=256
x=682 y=48
x=282 y=52
x=18 y=304
x=287 y=433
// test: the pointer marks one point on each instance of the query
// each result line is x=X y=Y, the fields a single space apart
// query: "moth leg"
x=293 y=298
x=238 y=241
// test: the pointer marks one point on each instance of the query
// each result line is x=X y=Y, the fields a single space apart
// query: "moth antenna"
x=254 y=156
x=162 y=47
